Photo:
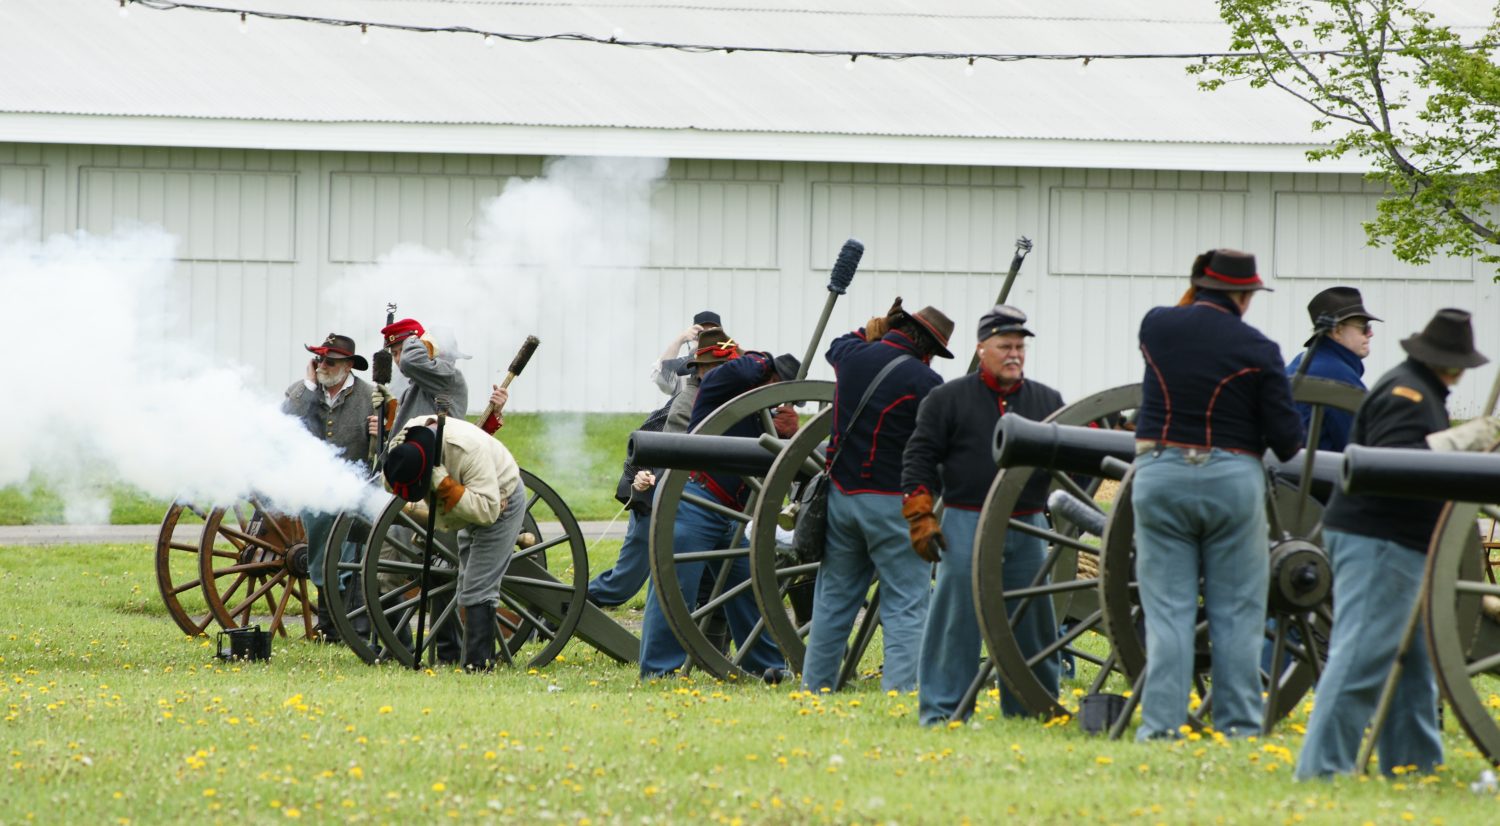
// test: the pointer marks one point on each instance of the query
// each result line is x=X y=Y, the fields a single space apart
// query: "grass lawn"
x=110 y=715
x=578 y=454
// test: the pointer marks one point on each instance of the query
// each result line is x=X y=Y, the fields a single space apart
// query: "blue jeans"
x=867 y=535
x=700 y=529
x=951 y=643
x=618 y=584
x=317 y=526
x=1376 y=583
x=1201 y=516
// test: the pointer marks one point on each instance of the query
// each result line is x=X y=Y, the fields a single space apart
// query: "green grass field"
x=578 y=454
x=110 y=715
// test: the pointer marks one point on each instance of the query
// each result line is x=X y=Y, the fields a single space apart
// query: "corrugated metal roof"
x=79 y=57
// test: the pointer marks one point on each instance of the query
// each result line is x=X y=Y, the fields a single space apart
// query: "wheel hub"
x=1300 y=575
x=296 y=559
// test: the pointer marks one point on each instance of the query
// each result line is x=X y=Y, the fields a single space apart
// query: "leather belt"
x=1193 y=455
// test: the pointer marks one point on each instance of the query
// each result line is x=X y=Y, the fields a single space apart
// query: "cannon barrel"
x=1327 y=465
x=740 y=455
x=1021 y=442
x=1421 y=474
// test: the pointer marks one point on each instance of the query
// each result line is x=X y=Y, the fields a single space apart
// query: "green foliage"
x=1392 y=84
x=109 y=715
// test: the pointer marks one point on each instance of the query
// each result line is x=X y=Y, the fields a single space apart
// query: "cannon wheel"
x=1291 y=509
x=772 y=575
x=688 y=622
x=519 y=620
x=1463 y=637
x=253 y=563
x=177 y=569
x=1075 y=597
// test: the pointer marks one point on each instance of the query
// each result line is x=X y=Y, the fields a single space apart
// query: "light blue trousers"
x=1375 y=584
x=867 y=536
x=618 y=584
x=318 y=526
x=1201 y=516
x=951 y=643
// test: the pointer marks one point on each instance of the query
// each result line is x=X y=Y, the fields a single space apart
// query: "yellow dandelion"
x=356 y=772
x=440 y=786
x=1104 y=760
x=650 y=791
x=292 y=812
x=208 y=792
x=385 y=709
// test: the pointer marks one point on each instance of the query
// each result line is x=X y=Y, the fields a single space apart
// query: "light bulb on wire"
x=489 y=42
x=849 y=67
x=969 y=69
x=124 y=8
x=1083 y=68
x=364 y=34
x=244 y=24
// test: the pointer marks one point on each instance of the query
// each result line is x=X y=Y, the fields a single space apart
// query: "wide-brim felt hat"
x=1340 y=304
x=408 y=466
x=339 y=347
x=935 y=322
x=714 y=347
x=1447 y=341
x=1230 y=271
x=787 y=366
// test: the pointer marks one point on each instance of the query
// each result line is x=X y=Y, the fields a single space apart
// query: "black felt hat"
x=408 y=466
x=787 y=366
x=1446 y=341
x=1228 y=270
x=1340 y=303
x=708 y=318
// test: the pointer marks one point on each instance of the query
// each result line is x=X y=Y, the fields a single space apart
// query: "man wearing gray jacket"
x=329 y=401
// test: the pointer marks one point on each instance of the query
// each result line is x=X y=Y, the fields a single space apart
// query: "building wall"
x=265 y=235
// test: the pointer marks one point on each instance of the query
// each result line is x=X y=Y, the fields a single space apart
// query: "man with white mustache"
x=321 y=400
x=949 y=456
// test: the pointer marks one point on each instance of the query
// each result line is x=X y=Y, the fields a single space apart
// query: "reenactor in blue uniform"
x=950 y=456
x=866 y=533
x=1377 y=545
x=1214 y=397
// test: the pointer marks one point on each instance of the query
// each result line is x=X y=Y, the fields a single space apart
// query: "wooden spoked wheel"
x=774 y=572
x=1068 y=576
x=689 y=622
x=1461 y=607
x=542 y=595
x=253 y=563
x=1299 y=610
x=178 y=577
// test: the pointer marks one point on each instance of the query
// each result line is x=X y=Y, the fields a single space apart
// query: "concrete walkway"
x=146 y=534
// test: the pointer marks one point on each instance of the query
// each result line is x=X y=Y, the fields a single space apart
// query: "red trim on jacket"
x=1003 y=392
x=716 y=489
x=879 y=423
x=1165 y=394
x=1208 y=416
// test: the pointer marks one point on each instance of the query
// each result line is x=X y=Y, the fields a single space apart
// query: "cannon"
x=1090 y=578
x=1460 y=601
x=233 y=566
x=543 y=595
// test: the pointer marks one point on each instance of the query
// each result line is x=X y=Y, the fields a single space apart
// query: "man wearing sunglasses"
x=1339 y=357
x=329 y=401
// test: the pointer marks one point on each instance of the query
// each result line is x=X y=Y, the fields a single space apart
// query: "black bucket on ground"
x=245 y=644
x=1097 y=712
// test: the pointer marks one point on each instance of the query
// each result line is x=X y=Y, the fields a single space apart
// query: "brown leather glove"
x=449 y=492
x=877 y=327
x=926 y=537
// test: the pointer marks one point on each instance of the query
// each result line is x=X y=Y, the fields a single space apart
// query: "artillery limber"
x=1089 y=568
x=1460 y=601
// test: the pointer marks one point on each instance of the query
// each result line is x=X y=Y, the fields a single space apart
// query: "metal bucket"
x=245 y=644
x=1097 y=712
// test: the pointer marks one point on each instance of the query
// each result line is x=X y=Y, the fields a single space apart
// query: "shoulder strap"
x=869 y=392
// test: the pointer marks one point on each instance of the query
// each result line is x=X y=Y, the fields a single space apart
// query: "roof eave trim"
x=671 y=143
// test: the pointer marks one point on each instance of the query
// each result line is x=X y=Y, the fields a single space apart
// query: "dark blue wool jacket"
x=868 y=460
x=951 y=455
x=1405 y=405
x=1338 y=363
x=723 y=383
x=1214 y=381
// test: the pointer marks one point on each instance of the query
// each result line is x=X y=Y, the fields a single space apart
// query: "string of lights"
x=490 y=38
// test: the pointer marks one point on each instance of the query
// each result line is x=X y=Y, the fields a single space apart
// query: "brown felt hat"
x=336 y=346
x=714 y=347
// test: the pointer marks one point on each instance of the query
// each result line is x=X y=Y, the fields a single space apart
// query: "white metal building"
x=292 y=158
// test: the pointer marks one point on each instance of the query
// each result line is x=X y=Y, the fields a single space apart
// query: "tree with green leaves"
x=1390 y=82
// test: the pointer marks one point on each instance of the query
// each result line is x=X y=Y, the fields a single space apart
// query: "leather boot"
x=325 y=629
x=479 y=638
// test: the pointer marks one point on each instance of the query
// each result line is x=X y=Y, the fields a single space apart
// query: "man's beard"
x=331 y=377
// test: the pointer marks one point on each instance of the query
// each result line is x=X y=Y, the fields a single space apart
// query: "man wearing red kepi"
x=431 y=373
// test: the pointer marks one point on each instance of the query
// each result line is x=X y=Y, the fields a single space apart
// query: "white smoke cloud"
x=104 y=393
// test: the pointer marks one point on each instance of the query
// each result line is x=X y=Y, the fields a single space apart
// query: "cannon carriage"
x=1089 y=568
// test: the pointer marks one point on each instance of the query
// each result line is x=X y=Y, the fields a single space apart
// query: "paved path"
x=146 y=534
